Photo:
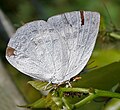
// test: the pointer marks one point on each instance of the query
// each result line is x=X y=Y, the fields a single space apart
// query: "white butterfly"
x=56 y=50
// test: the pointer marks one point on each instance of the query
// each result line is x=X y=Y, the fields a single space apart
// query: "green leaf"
x=102 y=78
x=113 y=104
x=54 y=103
x=114 y=88
x=39 y=85
x=115 y=35
x=104 y=57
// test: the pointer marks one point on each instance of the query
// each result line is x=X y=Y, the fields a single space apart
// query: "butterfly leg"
x=68 y=84
x=45 y=87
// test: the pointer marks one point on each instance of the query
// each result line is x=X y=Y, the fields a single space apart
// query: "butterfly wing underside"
x=55 y=50
x=78 y=30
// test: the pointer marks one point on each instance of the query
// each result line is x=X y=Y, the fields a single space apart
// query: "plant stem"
x=92 y=94
x=84 y=101
x=102 y=93
x=67 y=104
x=82 y=90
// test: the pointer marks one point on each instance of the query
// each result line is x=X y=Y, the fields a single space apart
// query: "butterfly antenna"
x=88 y=69
x=111 y=20
x=91 y=62
x=92 y=68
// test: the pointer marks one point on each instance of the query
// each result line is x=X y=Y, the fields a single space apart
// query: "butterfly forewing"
x=85 y=43
x=78 y=31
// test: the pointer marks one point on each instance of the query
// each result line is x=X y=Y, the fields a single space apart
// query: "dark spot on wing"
x=82 y=17
x=10 y=51
x=66 y=20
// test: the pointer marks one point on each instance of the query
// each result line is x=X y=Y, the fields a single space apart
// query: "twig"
x=92 y=94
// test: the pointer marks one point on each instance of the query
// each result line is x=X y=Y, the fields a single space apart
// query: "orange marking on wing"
x=10 y=51
x=82 y=17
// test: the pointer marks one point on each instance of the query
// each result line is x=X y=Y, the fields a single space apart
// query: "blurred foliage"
x=107 y=48
x=27 y=10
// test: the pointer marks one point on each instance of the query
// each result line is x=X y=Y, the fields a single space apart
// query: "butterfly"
x=55 y=50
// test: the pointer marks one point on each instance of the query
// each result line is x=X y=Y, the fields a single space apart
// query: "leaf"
x=115 y=87
x=102 y=78
x=39 y=85
x=113 y=104
x=115 y=35
x=104 y=57
x=54 y=103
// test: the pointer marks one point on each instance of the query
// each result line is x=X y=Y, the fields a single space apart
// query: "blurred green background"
x=19 y=12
